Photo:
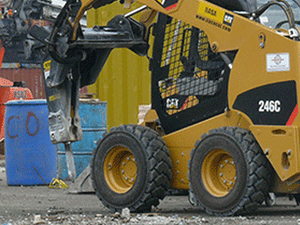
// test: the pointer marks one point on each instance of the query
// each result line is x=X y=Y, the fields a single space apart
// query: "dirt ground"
x=42 y=205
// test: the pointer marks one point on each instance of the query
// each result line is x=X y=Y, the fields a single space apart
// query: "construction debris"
x=56 y=183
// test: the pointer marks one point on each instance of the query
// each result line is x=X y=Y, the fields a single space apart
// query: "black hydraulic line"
x=50 y=43
x=264 y=7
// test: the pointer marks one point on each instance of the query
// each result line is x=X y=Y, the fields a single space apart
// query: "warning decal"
x=215 y=16
x=47 y=66
x=168 y=4
x=277 y=62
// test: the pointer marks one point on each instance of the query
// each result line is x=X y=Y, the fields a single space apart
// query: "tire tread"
x=159 y=168
x=259 y=171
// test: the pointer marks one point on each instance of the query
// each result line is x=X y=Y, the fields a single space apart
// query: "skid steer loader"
x=224 y=121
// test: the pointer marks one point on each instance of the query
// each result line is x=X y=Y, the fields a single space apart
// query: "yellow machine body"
x=249 y=70
x=232 y=143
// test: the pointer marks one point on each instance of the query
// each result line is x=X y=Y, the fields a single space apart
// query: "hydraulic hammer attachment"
x=63 y=102
x=71 y=65
x=65 y=75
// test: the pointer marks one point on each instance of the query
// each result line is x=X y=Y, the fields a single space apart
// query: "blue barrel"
x=94 y=123
x=29 y=154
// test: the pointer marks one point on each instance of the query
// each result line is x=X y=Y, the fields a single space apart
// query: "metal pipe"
x=133 y=12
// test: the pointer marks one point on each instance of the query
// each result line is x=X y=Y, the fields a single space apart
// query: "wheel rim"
x=218 y=172
x=120 y=169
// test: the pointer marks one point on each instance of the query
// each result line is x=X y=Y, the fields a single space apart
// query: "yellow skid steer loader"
x=224 y=120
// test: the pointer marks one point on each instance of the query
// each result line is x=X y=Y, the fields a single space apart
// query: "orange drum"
x=9 y=91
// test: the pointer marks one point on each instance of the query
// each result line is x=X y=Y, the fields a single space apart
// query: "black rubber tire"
x=297 y=198
x=253 y=172
x=153 y=168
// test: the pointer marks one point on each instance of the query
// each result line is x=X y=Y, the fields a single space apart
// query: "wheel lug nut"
x=221 y=174
x=123 y=163
x=132 y=179
x=128 y=158
x=126 y=178
x=225 y=181
x=123 y=171
x=230 y=182
x=232 y=162
x=222 y=166
x=235 y=177
x=226 y=161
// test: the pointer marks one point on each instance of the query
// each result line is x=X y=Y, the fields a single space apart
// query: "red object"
x=5 y=82
x=32 y=77
x=7 y=93
x=171 y=7
x=10 y=12
x=2 y=51
x=292 y=116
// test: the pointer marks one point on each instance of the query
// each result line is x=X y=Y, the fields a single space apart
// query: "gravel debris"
x=125 y=213
x=144 y=219
x=113 y=219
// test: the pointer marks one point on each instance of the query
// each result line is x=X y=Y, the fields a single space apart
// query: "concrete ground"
x=42 y=205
